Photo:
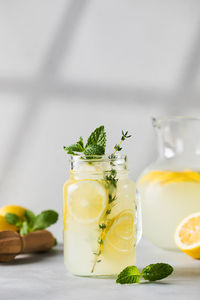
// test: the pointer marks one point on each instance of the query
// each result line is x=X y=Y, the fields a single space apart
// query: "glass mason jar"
x=170 y=187
x=100 y=216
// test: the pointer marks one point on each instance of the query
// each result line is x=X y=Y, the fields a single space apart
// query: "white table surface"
x=43 y=276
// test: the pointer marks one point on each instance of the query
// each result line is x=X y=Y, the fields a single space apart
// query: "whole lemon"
x=14 y=209
x=5 y=226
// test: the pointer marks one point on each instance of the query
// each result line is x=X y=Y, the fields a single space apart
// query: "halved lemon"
x=187 y=235
x=121 y=235
x=87 y=200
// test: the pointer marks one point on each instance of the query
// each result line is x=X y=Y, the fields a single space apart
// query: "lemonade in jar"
x=100 y=210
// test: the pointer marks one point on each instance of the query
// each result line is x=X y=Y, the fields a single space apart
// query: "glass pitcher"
x=170 y=187
x=101 y=216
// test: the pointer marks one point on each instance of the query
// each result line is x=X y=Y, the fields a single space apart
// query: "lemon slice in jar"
x=121 y=235
x=87 y=200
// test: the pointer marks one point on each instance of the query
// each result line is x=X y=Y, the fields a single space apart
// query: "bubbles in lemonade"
x=99 y=223
x=167 y=197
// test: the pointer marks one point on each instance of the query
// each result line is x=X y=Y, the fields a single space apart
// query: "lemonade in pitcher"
x=100 y=210
x=170 y=187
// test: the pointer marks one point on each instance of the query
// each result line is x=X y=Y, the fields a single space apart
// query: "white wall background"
x=67 y=66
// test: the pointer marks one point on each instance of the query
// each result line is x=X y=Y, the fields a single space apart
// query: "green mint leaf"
x=80 y=142
x=94 y=150
x=13 y=219
x=129 y=275
x=45 y=219
x=97 y=137
x=29 y=217
x=55 y=242
x=24 y=229
x=95 y=145
x=69 y=151
x=157 y=271
x=73 y=148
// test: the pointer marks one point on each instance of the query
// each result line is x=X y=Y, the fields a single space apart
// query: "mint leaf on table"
x=45 y=219
x=130 y=274
x=13 y=219
x=157 y=271
x=97 y=137
x=29 y=217
x=152 y=272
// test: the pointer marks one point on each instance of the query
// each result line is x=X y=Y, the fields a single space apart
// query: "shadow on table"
x=190 y=271
x=34 y=257
x=180 y=273
x=156 y=282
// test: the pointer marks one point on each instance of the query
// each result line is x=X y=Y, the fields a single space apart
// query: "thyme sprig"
x=118 y=146
x=110 y=182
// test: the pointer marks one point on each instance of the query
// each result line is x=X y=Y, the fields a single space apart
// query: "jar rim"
x=97 y=158
x=157 y=122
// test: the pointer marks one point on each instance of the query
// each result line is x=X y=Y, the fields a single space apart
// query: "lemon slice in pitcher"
x=87 y=200
x=121 y=236
x=166 y=177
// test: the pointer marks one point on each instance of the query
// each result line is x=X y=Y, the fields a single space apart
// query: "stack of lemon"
x=14 y=209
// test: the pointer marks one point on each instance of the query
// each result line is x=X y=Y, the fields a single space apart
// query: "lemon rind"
x=177 y=240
